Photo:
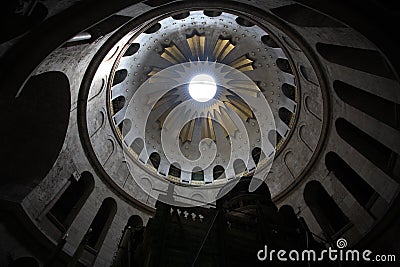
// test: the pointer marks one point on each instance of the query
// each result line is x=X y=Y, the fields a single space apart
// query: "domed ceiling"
x=248 y=67
x=173 y=133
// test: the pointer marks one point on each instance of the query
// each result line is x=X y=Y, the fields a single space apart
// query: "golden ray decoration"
x=153 y=97
x=246 y=87
x=243 y=64
x=204 y=128
x=166 y=99
x=197 y=46
x=207 y=128
x=163 y=116
x=175 y=116
x=173 y=54
x=222 y=49
x=153 y=71
x=218 y=117
x=187 y=131
x=242 y=106
x=241 y=114
x=229 y=125
x=206 y=123
x=211 y=128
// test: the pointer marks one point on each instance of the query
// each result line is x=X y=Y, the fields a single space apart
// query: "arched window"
x=155 y=159
x=135 y=221
x=274 y=137
x=71 y=201
x=380 y=108
x=325 y=210
x=133 y=48
x=360 y=189
x=239 y=166
x=287 y=218
x=101 y=223
x=218 y=172
x=370 y=148
x=257 y=155
x=366 y=60
x=285 y=115
x=284 y=65
x=118 y=103
x=175 y=170
x=137 y=145
x=197 y=174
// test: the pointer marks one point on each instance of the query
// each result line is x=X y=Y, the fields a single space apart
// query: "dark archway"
x=356 y=185
x=101 y=223
x=325 y=210
x=36 y=125
x=71 y=201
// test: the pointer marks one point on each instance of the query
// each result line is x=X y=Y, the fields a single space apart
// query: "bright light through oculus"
x=202 y=87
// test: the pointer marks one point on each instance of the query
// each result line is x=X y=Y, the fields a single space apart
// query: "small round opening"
x=202 y=88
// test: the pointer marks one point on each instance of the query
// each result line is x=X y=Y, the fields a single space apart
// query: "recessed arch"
x=357 y=186
x=133 y=48
x=101 y=223
x=369 y=61
x=381 y=109
x=118 y=103
x=119 y=76
x=153 y=28
x=325 y=210
x=71 y=201
x=37 y=122
x=239 y=166
x=107 y=25
x=197 y=174
x=155 y=159
x=125 y=126
x=284 y=65
x=285 y=115
x=135 y=221
x=218 y=172
x=370 y=148
x=182 y=15
x=268 y=41
x=212 y=13
x=244 y=22
x=289 y=91
x=287 y=217
x=137 y=145
x=257 y=154
x=274 y=137
x=175 y=170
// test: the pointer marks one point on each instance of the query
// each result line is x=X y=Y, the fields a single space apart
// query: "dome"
x=246 y=116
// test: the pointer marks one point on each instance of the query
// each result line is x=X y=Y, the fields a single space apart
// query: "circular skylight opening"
x=202 y=87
